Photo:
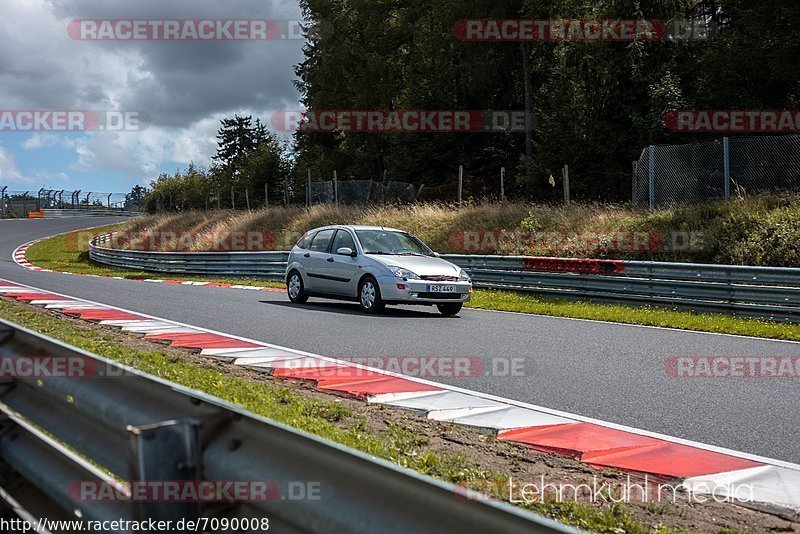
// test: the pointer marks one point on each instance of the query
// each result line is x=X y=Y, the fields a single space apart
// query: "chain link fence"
x=19 y=203
x=360 y=192
x=683 y=174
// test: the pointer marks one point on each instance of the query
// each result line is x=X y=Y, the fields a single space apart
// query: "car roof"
x=356 y=227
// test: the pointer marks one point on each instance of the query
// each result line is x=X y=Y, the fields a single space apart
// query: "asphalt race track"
x=600 y=370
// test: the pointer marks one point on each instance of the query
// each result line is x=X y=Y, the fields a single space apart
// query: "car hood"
x=420 y=265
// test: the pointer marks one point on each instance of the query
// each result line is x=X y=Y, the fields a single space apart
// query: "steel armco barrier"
x=270 y=265
x=756 y=292
x=117 y=423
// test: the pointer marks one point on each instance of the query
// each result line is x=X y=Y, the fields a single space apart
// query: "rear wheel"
x=295 y=288
x=369 y=296
x=451 y=308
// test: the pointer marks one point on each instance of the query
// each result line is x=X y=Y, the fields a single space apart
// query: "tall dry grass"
x=757 y=230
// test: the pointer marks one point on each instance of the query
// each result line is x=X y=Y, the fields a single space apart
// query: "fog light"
x=401 y=286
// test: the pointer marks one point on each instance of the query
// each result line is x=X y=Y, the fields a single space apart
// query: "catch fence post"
x=726 y=165
x=460 y=183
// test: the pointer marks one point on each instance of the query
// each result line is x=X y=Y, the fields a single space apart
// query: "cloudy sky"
x=181 y=88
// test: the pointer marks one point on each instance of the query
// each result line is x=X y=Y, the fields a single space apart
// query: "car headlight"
x=399 y=272
x=463 y=276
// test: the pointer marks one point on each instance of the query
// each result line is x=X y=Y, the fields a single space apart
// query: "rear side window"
x=322 y=241
x=305 y=241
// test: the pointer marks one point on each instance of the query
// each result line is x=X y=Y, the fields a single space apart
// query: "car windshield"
x=391 y=242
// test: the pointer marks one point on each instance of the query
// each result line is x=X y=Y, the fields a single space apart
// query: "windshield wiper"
x=412 y=254
x=381 y=253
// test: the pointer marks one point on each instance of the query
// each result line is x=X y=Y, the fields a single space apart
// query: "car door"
x=314 y=260
x=341 y=271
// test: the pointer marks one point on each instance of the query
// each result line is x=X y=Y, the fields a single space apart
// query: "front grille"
x=447 y=296
x=440 y=278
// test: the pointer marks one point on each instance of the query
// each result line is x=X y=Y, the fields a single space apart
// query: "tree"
x=135 y=200
x=597 y=104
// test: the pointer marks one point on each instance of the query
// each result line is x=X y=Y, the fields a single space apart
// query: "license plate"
x=442 y=289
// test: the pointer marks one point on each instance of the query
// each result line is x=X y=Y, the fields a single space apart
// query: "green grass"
x=526 y=303
x=327 y=419
x=62 y=254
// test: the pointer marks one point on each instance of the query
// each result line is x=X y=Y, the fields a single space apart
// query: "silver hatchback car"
x=374 y=266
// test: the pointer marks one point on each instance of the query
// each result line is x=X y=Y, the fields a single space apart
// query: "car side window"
x=343 y=239
x=305 y=241
x=322 y=241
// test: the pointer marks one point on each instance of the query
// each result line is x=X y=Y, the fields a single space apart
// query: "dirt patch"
x=514 y=461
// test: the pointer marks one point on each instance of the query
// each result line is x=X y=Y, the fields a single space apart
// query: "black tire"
x=374 y=304
x=451 y=308
x=297 y=294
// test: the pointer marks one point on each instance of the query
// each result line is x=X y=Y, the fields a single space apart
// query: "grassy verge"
x=397 y=437
x=722 y=324
x=754 y=230
x=63 y=253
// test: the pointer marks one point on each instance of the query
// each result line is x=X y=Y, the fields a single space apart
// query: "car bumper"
x=397 y=290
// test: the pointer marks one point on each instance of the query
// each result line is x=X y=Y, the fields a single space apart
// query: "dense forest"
x=596 y=104
x=592 y=105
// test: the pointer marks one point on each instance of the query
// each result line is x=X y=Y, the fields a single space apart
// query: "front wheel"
x=369 y=296
x=295 y=288
x=451 y=308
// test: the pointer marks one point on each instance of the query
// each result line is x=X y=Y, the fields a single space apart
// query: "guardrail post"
x=633 y=182
x=502 y=183
x=726 y=155
x=167 y=452
x=651 y=176
x=565 y=172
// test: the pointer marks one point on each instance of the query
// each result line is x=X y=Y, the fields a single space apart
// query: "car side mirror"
x=346 y=251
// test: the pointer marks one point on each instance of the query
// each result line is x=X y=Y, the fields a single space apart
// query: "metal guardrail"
x=757 y=292
x=270 y=265
x=118 y=424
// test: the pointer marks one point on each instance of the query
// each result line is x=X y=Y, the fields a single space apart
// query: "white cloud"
x=9 y=174
x=185 y=88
